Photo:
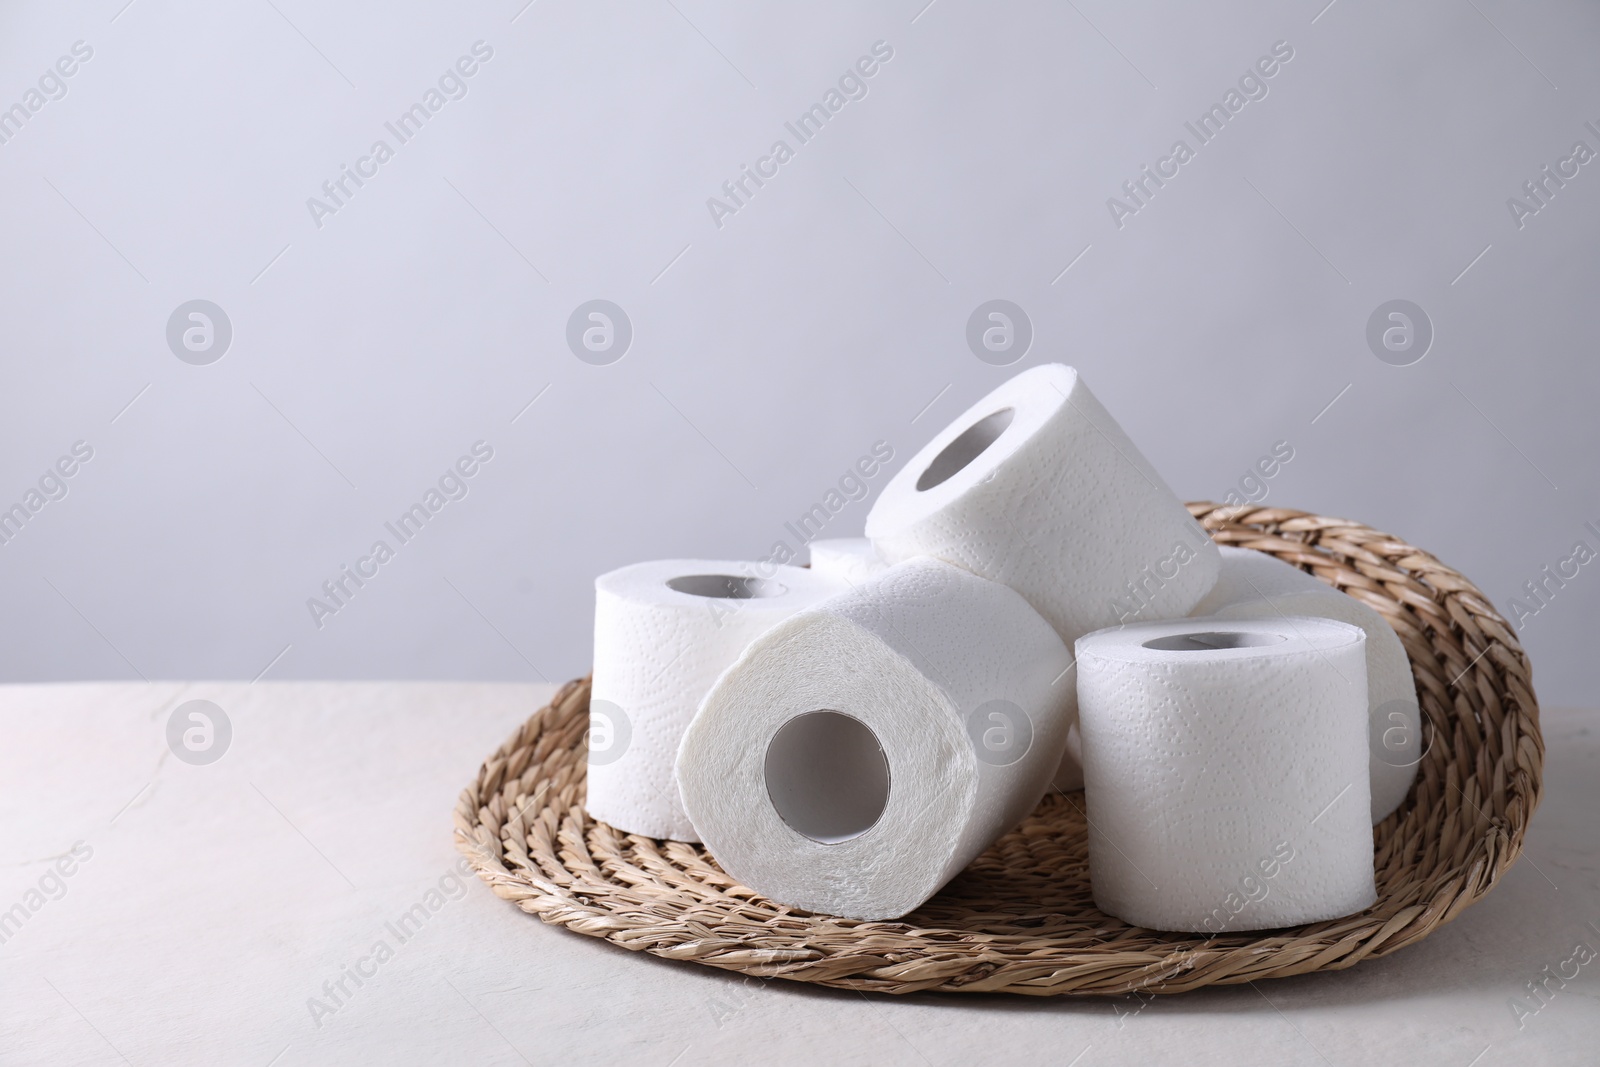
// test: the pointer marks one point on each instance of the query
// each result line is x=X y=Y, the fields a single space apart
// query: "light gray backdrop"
x=377 y=337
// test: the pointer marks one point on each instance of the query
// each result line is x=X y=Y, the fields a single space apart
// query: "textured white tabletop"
x=210 y=909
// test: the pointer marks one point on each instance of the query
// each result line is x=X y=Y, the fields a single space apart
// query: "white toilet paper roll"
x=861 y=753
x=1225 y=767
x=1036 y=486
x=1254 y=585
x=851 y=560
x=663 y=632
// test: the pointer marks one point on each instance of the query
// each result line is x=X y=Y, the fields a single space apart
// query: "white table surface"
x=218 y=899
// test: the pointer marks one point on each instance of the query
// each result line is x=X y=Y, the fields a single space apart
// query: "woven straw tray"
x=1020 y=919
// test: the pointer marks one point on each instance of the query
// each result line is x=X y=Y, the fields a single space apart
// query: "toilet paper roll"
x=861 y=753
x=1036 y=486
x=1225 y=767
x=1254 y=585
x=851 y=560
x=663 y=632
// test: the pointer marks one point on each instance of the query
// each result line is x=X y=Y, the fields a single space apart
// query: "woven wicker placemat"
x=1020 y=919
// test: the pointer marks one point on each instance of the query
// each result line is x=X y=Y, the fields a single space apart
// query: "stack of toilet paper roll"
x=1032 y=608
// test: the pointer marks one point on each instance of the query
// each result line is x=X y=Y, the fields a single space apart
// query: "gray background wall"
x=370 y=352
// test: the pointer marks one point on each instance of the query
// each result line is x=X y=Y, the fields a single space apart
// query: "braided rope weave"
x=1020 y=918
